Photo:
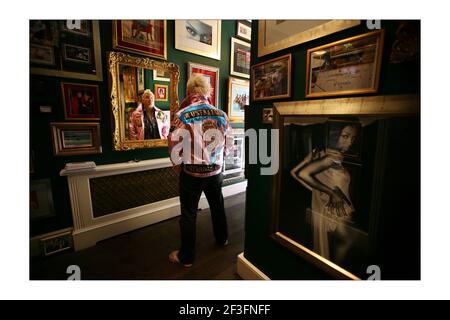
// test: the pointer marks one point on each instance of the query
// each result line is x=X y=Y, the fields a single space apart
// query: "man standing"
x=199 y=137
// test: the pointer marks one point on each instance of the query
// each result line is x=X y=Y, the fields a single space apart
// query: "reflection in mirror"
x=144 y=92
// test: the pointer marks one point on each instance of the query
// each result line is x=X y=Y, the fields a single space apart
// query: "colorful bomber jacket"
x=200 y=135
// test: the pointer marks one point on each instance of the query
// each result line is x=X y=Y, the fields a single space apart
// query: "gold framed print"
x=345 y=67
x=71 y=138
x=147 y=37
x=272 y=79
x=276 y=35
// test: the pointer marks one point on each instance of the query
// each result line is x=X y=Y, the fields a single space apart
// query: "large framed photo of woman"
x=272 y=79
x=200 y=37
x=211 y=74
x=345 y=67
x=147 y=37
x=336 y=165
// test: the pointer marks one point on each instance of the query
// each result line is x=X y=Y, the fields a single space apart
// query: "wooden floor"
x=142 y=254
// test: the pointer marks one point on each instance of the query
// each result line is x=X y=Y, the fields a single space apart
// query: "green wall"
x=47 y=91
x=274 y=260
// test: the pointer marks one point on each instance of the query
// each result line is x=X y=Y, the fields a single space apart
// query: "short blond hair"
x=149 y=92
x=199 y=85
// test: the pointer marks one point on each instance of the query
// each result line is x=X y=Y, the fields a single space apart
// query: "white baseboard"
x=247 y=270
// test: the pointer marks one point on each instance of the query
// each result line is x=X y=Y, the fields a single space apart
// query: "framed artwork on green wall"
x=240 y=58
x=202 y=37
x=66 y=48
x=147 y=37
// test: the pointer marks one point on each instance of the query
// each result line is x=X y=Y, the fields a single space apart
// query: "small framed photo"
x=244 y=30
x=42 y=55
x=272 y=79
x=161 y=92
x=211 y=74
x=57 y=243
x=41 y=199
x=238 y=97
x=70 y=138
x=81 y=101
x=240 y=58
x=77 y=54
x=161 y=75
x=345 y=67
x=141 y=79
x=201 y=37
x=267 y=115
x=148 y=37
x=77 y=27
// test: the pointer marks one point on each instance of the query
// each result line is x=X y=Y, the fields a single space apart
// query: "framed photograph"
x=42 y=54
x=70 y=138
x=161 y=92
x=129 y=83
x=276 y=35
x=57 y=243
x=148 y=37
x=238 y=97
x=41 y=199
x=211 y=74
x=330 y=180
x=234 y=162
x=140 y=80
x=66 y=48
x=240 y=58
x=345 y=67
x=202 y=37
x=81 y=101
x=272 y=79
x=244 y=30
x=161 y=75
x=267 y=115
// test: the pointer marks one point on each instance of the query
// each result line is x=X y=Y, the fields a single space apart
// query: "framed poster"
x=238 y=97
x=211 y=74
x=202 y=37
x=70 y=138
x=147 y=37
x=66 y=48
x=244 y=30
x=272 y=79
x=41 y=199
x=328 y=187
x=240 y=58
x=81 y=101
x=349 y=66
x=276 y=35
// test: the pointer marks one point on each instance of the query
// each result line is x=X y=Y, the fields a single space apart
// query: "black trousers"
x=190 y=191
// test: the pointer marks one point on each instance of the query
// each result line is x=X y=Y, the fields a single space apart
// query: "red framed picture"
x=148 y=37
x=81 y=101
x=161 y=91
x=211 y=74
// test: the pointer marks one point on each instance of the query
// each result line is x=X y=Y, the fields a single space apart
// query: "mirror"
x=142 y=118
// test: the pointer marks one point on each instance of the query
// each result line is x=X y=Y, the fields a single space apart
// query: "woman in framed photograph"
x=324 y=174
